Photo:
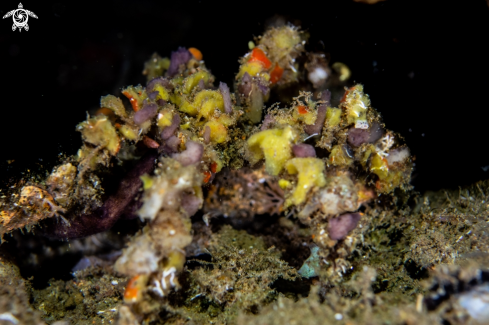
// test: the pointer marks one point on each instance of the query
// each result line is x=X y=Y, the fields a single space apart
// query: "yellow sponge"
x=275 y=145
x=311 y=173
x=219 y=133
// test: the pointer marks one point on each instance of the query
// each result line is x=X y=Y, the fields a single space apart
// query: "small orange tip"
x=104 y=111
x=207 y=176
x=343 y=99
x=213 y=167
x=257 y=55
x=133 y=290
x=196 y=53
x=302 y=109
x=276 y=74
x=134 y=102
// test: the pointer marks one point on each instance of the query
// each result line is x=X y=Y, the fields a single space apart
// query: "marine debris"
x=317 y=188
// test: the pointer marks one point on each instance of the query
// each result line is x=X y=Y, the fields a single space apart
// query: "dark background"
x=424 y=65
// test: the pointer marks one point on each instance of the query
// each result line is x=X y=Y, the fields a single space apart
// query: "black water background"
x=424 y=64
